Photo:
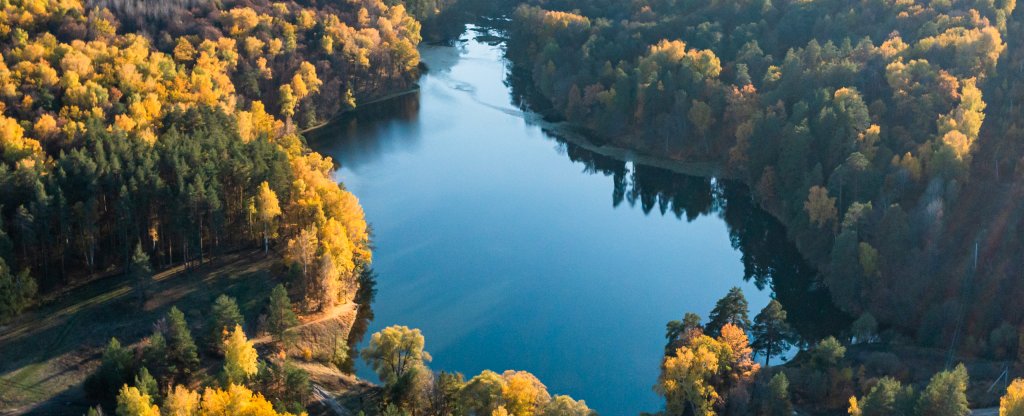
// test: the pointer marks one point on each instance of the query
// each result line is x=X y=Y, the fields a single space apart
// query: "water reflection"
x=369 y=133
x=769 y=258
x=507 y=257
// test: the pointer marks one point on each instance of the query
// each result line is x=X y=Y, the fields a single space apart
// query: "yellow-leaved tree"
x=1012 y=404
x=181 y=401
x=235 y=401
x=240 y=357
x=267 y=210
x=132 y=402
x=524 y=394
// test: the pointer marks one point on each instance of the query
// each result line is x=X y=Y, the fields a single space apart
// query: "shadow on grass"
x=48 y=352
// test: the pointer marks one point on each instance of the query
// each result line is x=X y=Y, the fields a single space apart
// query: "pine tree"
x=281 y=317
x=16 y=292
x=146 y=383
x=731 y=309
x=772 y=334
x=140 y=272
x=182 y=355
x=778 y=396
x=224 y=316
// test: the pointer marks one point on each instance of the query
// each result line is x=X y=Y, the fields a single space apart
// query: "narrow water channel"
x=512 y=249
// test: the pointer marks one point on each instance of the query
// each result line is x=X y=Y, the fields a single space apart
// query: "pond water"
x=513 y=249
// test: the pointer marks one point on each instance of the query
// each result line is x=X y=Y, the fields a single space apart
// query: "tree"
x=443 y=394
x=482 y=394
x=267 y=208
x=182 y=354
x=731 y=309
x=566 y=406
x=181 y=401
x=16 y=292
x=772 y=334
x=235 y=400
x=684 y=380
x=146 y=383
x=281 y=316
x=864 y=328
x=302 y=251
x=888 y=397
x=132 y=402
x=1012 y=403
x=524 y=394
x=395 y=351
x=224 y=316
x=284 y=383
x=778 y=396
x=821 y=209
x=739 y=361
x=141 y=273
x=700 y=116
x=288 y=103
x=828 y=353
x=946 y=394
x=114 y=371
x=239 y=357
x=675 y=329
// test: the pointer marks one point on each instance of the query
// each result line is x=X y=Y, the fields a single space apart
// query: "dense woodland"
x=182 y=140
x=882 y=135
x=867 y=128
x=135 y=138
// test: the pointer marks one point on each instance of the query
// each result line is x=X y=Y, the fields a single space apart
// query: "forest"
x=137 y=138
x=140 y=140
x=882 y=134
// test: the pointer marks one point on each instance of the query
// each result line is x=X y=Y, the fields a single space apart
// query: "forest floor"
x=49 y=351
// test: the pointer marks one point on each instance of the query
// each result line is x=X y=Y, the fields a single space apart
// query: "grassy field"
x=48 y=352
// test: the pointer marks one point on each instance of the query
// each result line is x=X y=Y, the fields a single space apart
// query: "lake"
x=511 y=248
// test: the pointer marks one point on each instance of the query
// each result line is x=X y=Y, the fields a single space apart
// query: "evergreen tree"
x=888 y=397
x=182 y=355
x=115 y=370
x=731 y=309
x=281 y=316
x=224 y=316
x=778 y=396
x=16 y=292
x=140 y=272
x=772 y=334
x=146 y=383
x=675 y=329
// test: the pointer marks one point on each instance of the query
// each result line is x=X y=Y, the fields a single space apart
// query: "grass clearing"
x=49 y=351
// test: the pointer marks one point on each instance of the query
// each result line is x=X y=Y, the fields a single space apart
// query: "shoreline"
x=337 y=116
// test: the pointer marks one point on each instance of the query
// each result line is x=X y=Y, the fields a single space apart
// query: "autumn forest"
x=183 y=184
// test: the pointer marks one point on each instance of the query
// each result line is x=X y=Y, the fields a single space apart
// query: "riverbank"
x=414 y=89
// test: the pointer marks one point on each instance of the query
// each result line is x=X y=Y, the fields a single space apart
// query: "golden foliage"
x=1012 y=403
x=240 y=358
